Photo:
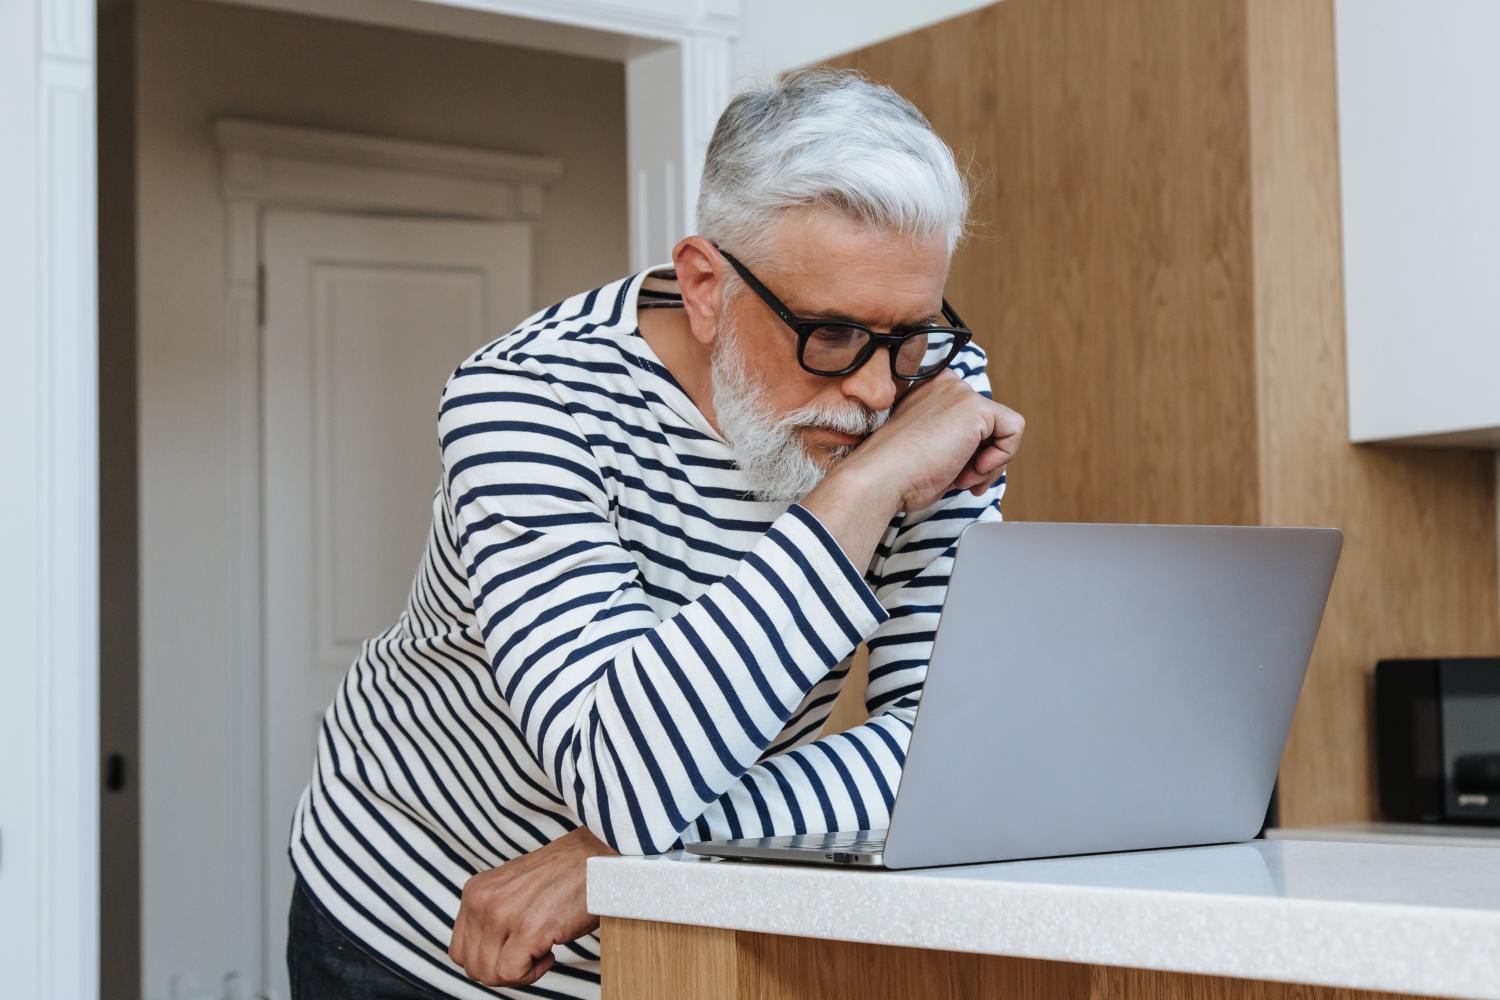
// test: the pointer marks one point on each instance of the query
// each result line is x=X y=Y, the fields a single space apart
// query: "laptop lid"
x=1108 y=687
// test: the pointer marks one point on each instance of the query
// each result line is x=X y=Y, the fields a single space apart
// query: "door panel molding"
x=679 y=75
x=267 y=163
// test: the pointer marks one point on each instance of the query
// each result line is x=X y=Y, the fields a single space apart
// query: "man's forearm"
x=843 y=781
x=855 y=510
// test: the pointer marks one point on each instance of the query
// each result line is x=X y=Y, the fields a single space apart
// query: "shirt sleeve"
x=847 y=781
x=639 y=723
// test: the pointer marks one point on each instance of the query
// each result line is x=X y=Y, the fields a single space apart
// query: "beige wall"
x=196 y=61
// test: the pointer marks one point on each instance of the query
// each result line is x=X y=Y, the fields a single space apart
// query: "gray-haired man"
x=671 y=507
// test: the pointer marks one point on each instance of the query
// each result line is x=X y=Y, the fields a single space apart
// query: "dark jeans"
x=324 y=964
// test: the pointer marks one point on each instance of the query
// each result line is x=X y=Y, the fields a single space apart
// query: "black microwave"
x=1437 y=735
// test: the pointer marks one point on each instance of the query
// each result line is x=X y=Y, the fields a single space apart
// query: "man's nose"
x=871 y=383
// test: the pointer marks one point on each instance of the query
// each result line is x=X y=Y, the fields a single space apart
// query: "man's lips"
x=838 y=437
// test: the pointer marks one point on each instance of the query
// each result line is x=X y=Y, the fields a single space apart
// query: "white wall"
x=48 y=503
x=777 y=35
x=1419 y=129
x=196 y=61
x=21 y=416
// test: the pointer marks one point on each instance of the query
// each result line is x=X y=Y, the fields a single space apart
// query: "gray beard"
x=767 y=448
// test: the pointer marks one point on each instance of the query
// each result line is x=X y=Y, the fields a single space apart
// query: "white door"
x=365 y=318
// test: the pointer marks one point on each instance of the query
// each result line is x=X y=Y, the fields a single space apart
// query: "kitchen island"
x=1341 y=920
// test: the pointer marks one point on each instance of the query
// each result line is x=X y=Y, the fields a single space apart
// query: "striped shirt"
x=606 y=629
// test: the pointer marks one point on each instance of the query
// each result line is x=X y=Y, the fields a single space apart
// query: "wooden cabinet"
x=1268 y=920
x=644 y=960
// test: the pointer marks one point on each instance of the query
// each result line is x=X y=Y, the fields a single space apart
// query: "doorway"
x=465 y=181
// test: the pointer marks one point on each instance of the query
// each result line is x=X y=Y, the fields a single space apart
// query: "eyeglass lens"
x=835 y=348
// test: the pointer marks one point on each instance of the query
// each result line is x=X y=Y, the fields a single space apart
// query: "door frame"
x=267 y=166
x=678 y=77
x=49 y=531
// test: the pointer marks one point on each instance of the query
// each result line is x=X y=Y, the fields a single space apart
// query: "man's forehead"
x=827 y=292
x=827 y=267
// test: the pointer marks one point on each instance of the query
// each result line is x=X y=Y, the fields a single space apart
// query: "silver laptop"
x=1097 y=687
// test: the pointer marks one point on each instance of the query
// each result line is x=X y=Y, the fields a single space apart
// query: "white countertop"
x=1408 y=918
x=1436 y=834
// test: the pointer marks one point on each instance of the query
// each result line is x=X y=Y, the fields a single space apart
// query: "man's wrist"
x=855 y=507
x=851 y=485
x=583 y=840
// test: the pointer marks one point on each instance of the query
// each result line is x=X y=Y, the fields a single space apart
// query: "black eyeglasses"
x=839 y=347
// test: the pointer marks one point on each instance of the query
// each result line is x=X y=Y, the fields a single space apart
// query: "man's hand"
x=941 y=436
x=510 y=917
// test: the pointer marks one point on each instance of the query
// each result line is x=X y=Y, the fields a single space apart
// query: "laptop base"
x=860 y=848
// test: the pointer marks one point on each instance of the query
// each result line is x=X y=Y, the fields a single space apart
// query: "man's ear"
x=701 y=282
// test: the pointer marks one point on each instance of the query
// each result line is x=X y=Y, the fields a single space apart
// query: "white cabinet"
x=1419 y=132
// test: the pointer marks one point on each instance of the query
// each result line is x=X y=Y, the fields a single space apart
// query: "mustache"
x=855 y=420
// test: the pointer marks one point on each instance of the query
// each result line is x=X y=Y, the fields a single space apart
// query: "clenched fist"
x=509 y=918
x=941 y=436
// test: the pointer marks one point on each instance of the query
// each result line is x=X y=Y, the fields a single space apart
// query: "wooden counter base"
x=646 y=960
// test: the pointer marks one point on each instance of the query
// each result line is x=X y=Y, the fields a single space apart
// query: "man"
x=670 y=509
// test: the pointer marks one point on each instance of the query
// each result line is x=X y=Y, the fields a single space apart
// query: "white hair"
x=834 y=140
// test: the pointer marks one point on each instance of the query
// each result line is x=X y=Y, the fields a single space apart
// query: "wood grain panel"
x=641 y=958
x=1108 y=275
x=774 y=966
x=645 y=960
x=1155 y=270
x=1113 y=983
x=848 y=708
x=1418 y=572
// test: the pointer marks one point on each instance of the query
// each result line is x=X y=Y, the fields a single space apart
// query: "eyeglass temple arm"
x=952 y=317
x=766 y=295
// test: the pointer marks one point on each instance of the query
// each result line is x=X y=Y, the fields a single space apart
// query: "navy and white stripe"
x=605 y=629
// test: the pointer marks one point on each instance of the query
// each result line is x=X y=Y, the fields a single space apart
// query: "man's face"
x=825 y=266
